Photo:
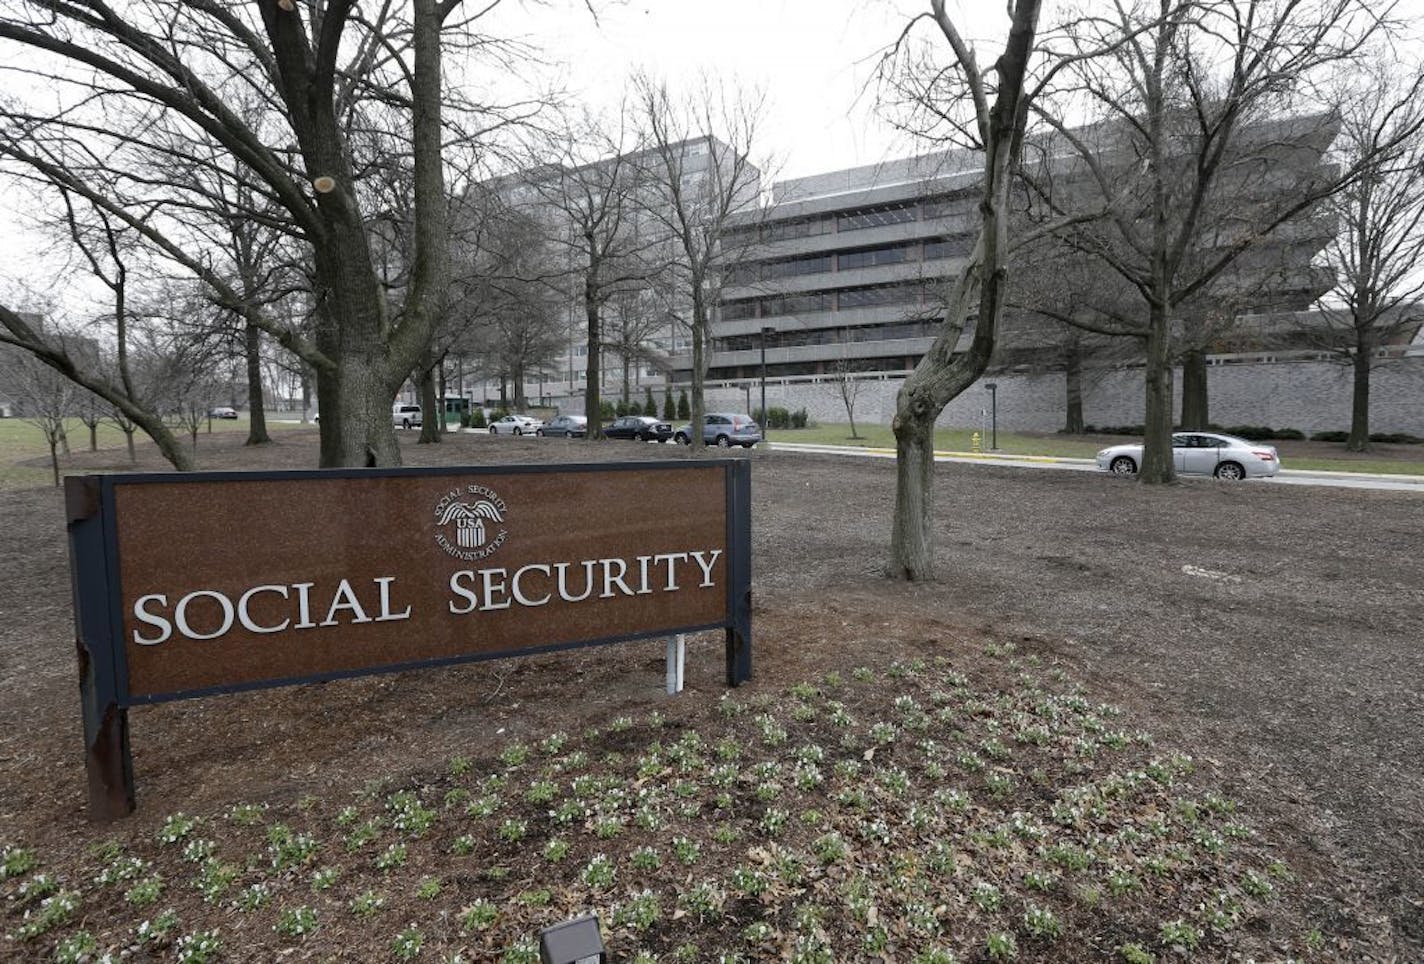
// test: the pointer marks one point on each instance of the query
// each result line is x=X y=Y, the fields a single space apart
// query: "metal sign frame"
x=95 y=569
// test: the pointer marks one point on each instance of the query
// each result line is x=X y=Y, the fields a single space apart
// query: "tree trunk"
x=355 y=400
x=431 y=408
x=129 y=443
x=1194 y=390
x=1359 y=439
x=912 y=531
x=1073 y=388
x=521 y=400
x=699 y=368
x=306 y=396
x=591 y=385
x=64 y=440
x=1157 y=464
x=442 y=390
x=93 y=436
x=256 y=404
x=54 y=458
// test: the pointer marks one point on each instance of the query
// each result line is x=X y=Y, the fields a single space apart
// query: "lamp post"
x=765 y=418
x=994 y=415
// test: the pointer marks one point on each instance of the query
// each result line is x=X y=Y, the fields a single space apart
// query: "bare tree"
x=997 y=128
x=46 y=399
x=847 y=387
x=324 y=73
x=699 y=159
x=1205 y=147
x=595 y=192
x=1380 y=242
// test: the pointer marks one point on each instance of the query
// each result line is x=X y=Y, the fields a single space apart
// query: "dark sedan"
x=644 y=428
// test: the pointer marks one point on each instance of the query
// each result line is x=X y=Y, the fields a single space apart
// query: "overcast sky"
x=812 y=57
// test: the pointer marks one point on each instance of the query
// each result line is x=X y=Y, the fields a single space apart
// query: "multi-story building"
x=849 y=271
x=845 y=268
x=645 y=316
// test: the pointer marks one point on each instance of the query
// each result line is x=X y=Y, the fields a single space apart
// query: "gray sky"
x=813 y=57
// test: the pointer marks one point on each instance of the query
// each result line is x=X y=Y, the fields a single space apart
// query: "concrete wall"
x=1313 y=396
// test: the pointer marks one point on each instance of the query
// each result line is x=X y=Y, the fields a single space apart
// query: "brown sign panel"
x=232 y=582
x=200 y=583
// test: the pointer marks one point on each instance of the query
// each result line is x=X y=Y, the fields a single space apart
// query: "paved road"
x=1346 y=480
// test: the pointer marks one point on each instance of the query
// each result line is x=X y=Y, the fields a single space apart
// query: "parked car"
x=724 y=429
x=564 y=426
x=516 y=425
x=405 y=416
x=1201 y=453
x=644 y=428
x=222 y=411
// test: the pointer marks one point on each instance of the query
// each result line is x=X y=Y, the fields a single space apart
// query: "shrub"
x=477 y=418
x=684 y=407
x=605 y=410
x=1396 y=438
x=650 y=407
x=1253 y=432
x=1330 y=436
x=669 y=407
x=799 y=418
x=465 y=419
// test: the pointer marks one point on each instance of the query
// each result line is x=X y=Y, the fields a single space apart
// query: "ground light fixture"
x=576 y=941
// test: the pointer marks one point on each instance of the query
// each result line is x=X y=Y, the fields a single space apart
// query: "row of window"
x=851 y=334
x=856 y=219
x=909 y=251
x=865 y=296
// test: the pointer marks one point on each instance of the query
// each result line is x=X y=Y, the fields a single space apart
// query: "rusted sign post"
x=189 y=585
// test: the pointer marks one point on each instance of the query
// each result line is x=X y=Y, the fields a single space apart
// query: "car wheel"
x=568 y=433
x=539 y=432
x=1230 y=471
x=682 y=439
x=661 y=440
x=641 y=437
x=747 y=445
x=405 y=424
x=493 y=430
x=518 y=430
x=1123 y=465
x=723 y=442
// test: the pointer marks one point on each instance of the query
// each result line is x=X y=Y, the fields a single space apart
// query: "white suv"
x=405 y=416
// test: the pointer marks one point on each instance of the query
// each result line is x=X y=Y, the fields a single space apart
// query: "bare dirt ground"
x=1274 y=632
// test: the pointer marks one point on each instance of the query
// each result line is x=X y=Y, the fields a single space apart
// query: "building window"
x=894 y=254
x=951 y=247
x=877 y=216
x=950 y=205
x=797 y=304
x=797 y=228
x=739 y=310
x=878 y=295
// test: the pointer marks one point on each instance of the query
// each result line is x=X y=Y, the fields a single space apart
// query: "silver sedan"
x=1201 y=453
x=516 y=425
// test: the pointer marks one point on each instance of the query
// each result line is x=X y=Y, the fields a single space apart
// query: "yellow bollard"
x=974 y=442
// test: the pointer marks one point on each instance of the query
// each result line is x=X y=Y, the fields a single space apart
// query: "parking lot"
x=1273 y=631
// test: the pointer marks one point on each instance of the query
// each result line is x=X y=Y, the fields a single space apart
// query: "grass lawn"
x=946 y=440
x=1012 y=443
x=22 y=441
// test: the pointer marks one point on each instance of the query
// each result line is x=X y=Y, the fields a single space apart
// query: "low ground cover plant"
x=913 y=811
